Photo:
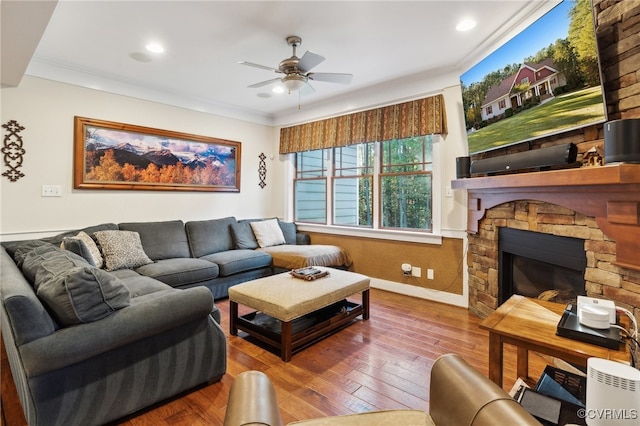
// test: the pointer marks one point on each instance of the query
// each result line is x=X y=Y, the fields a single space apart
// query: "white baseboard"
x=461 y=300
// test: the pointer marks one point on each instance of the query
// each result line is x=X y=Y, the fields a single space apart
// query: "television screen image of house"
x=545 y=80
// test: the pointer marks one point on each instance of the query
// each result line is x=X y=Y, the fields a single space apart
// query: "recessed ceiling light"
x=155 y=47
x=278 y=89
x=466 y=24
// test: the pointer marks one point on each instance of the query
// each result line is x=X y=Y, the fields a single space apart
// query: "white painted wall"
x=47 y=109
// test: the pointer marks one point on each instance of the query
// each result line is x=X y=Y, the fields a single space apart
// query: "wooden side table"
x=530 y=325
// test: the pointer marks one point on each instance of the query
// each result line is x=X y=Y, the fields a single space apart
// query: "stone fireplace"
x=598 y=206
x=542 y=219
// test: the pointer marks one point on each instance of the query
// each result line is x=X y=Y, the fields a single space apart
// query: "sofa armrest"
x=147 y=316
x=460 y=395
x=252 y=401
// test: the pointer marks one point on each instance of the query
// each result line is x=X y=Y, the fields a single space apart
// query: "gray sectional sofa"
x=101 y=322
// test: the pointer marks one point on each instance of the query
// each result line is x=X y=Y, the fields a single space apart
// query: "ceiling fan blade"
x=308 y=61
x=264 y=83
x=262 y=67
x=330 y=77
x=307 y=89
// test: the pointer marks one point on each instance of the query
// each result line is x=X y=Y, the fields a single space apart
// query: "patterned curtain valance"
x=414 y=118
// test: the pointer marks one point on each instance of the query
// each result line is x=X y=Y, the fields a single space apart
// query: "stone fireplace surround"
x=575 y=203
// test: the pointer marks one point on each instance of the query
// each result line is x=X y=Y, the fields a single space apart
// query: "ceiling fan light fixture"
x=278 y=89
x=294 y=82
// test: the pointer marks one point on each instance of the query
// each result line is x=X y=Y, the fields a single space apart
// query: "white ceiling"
x=382 y=43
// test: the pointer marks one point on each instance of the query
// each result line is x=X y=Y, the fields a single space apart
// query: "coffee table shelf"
x=303 y=331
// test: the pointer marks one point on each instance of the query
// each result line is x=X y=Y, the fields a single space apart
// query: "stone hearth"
x=602 y=277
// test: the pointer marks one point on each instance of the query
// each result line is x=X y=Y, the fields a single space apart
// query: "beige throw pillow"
x=94 y=251
x=268 y=232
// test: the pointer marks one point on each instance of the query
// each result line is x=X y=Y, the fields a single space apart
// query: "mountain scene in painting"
x=119 y=156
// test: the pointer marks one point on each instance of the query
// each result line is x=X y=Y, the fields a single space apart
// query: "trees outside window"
x=379 y=185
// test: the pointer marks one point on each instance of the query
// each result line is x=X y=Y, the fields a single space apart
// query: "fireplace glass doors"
x=537 y=265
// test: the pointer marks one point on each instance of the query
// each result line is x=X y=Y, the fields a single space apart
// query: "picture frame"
x=118 y=156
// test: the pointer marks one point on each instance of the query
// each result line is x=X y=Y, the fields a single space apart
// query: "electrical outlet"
x=429 y=274
x=51 y=191
x=416 y=272
x=448 y=192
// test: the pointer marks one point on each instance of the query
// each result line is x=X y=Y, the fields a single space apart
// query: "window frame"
x=431 y=236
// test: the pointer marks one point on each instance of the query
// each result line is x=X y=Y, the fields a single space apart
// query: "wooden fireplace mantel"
x=611 y=194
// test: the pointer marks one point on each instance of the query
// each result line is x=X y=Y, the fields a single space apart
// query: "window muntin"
x=310 y=186
x=353 y=168
x=385 y=185
x=405 y=184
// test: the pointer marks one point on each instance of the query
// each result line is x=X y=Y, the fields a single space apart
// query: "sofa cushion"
x=121 y=249
x=83 y=294
x=33 y=259
x=180 y=271
x=210 y=236
x=235 y=261
x=21 y=251
x=82 y=244
x=161 y=240
x=243 y=236
x=73 y=290
x=268 y=233
x=289 y=231
x=89 y=230
x=140 y=285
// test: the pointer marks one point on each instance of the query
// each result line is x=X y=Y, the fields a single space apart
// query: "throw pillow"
x=85 y=247
x=121 y=250
x=268 y=232
x=289 y=232
x=82 y=294
x=243 y=236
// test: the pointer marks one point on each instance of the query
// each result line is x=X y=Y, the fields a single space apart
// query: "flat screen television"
x=543 y=81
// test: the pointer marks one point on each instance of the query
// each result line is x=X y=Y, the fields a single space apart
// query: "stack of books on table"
x=309 y=273
x=557 y=399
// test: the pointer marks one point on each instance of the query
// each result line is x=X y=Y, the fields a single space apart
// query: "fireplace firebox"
x=540 y=265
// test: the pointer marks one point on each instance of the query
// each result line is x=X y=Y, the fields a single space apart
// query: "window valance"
x=414 y=118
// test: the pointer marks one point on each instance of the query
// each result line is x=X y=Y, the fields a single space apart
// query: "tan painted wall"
x=382 y=259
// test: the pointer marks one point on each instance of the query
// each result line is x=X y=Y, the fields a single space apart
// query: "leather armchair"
x=458 y=395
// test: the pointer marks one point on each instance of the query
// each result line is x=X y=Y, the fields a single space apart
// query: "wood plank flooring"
x=381 y=363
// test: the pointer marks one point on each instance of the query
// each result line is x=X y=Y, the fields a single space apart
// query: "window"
x=353 y=185
x=502 y=104
x=379 y=185
x=489 y=110
x=524 y=80
x=405 y=183
x=311 y=186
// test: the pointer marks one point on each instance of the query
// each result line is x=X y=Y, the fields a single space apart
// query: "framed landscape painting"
x=109 y=155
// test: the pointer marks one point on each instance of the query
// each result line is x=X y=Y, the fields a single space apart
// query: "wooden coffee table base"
x=298 y=334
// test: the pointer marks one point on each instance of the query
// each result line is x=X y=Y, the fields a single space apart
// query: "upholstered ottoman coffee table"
x=291 y=313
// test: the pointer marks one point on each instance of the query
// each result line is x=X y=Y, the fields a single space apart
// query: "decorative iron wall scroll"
x=12 y=150
x=262 y=170
x=110 y=155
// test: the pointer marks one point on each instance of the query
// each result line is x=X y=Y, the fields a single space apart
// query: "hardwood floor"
x=381 y=363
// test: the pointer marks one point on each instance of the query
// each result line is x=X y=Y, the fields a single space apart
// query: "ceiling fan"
x=296 y=70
